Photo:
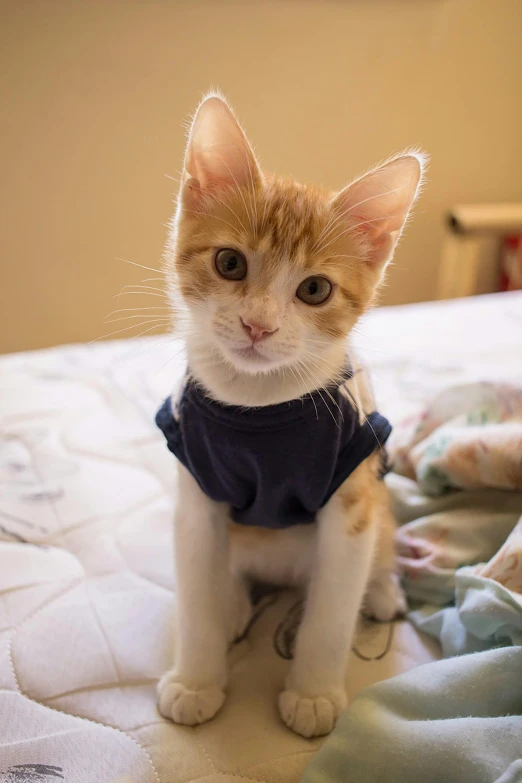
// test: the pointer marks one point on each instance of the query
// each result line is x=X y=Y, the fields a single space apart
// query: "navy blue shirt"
x=275 y=465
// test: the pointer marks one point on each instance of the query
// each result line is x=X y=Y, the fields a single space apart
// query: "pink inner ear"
x=371 y=227
x=218 y=152
x=191 y=194
x=382 y=249
x=377 y=205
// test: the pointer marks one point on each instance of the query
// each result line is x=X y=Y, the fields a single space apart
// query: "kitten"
x=273 y=276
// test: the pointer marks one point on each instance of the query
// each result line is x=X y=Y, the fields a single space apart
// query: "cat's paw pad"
x=311 y=716
x=385 y=599
x=184 y=705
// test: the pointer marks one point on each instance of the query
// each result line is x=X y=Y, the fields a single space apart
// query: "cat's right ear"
x=218 y=154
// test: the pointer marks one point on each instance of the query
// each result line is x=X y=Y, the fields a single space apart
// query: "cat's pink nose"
x=256 y=331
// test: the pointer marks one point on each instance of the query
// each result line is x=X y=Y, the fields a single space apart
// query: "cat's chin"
x=250 y=360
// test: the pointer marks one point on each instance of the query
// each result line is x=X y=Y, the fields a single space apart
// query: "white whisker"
x=300 y=378
x=141 y=293
x=148 y=348
x=239 y=190
x=139 y=309
x=227 y=206
x=371 y=198
x=355 y=227
x=314 y=379
x=145 y=318
x=134 y=263
x=174 y=356
x=215 y=217
x=125 y=329
x=139 y=286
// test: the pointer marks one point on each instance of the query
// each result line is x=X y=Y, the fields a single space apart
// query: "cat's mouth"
x=252 y=358
x=251 y=353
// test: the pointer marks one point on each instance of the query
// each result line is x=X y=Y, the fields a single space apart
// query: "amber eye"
x=231 y=264
x=314 y=290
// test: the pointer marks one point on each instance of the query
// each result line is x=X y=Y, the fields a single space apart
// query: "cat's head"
x=274 y=272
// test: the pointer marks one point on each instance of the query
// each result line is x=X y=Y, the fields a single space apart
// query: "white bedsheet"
x=86 y=582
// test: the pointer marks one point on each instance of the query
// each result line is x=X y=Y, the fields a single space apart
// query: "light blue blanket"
x=453 y=721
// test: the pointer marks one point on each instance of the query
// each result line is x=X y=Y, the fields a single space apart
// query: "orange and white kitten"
x=251 y=341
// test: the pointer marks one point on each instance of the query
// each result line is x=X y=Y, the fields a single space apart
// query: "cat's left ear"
x=376 y=206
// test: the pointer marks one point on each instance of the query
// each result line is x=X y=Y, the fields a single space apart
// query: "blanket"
x=87 y=590
x=452 y=721
x=86 y=582
x=457 y=491
x=466 y=449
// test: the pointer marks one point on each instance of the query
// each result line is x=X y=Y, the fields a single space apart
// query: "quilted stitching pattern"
x=86 y=582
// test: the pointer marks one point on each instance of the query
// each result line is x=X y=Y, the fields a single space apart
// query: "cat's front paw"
x=385 y=599
x=311 y=716
x=185 y=705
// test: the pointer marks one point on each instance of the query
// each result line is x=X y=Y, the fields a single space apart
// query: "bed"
x=86 y=581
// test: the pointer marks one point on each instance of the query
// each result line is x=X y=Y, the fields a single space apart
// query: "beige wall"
x=95 y=93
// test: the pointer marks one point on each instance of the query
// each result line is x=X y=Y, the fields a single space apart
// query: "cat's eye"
x=314 y=290
x=231 y=264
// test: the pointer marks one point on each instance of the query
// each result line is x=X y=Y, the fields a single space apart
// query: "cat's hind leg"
x=384 y=599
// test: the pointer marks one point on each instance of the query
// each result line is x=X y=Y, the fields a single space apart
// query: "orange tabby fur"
x=364 y=494
x=286 y=232
x=287 y=223
x=295 y=225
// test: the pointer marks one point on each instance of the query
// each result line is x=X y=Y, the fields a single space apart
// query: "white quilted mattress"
x=86 y=581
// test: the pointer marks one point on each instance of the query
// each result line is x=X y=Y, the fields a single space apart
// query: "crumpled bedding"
x=452 y=721
x=466 y=446
x=86 y=582
x=457 y=489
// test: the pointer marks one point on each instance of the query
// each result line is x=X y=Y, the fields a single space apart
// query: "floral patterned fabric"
x=469 y=437
x=465 y=449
